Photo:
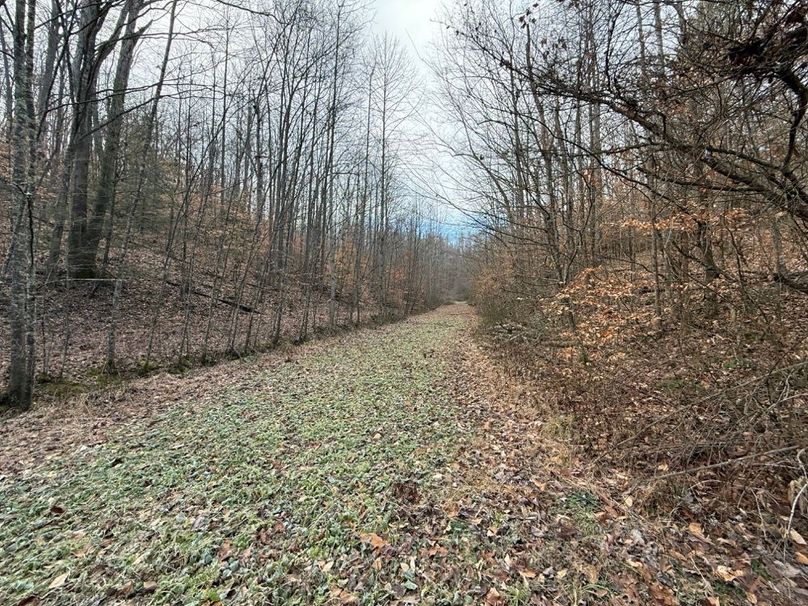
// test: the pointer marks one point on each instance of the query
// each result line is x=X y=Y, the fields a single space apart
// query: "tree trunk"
x=105 y=192
x=22 y=305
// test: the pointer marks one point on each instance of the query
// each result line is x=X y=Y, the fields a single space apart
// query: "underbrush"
x=700 y=413
x=169 y=335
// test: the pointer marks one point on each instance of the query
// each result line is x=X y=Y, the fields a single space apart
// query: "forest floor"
x=392 y=465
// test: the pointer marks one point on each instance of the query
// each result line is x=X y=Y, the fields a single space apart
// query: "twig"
x=703 y=400
x=799 y=494
x=724 y=463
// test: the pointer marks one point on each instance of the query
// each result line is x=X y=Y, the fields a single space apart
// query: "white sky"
x=414 y=23
x=411 y=21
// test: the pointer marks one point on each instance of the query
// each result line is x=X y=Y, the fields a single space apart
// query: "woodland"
x=298 y=312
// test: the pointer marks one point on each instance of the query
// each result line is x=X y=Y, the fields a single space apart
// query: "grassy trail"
x=287 y=493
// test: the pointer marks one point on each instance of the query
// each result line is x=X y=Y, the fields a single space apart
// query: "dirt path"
x=388 y=466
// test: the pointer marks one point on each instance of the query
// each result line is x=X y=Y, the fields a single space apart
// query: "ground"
x=385 y=466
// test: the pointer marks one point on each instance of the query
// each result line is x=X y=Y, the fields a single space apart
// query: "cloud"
x=408 y=20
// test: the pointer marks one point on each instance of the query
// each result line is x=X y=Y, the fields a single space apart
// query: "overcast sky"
x=409 y=20
x=413 y=22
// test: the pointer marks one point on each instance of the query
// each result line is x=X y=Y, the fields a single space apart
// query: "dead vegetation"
x=443 y=483
x=704 y=423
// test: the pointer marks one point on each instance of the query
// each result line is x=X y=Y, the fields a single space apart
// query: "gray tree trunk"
x=21 y=274
x=105 y=192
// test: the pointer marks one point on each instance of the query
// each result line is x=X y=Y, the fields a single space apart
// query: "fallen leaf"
x=494 y=598
x=225 y=550
x=592 y=574
x=127 y=589
x=727 y=575
x=801 y=558
x=796 y=537
x=345 y=597
x=787 y=570
x=527 y=574
x=375 y=540
x=540 y=485
x=325 y=566
x=58 y=581
x=711 y=601
x=697 y=531
x=663 y=595
x=149 y=586
x=264 y=537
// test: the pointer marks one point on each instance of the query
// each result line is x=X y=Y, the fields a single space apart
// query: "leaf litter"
x=390 y=466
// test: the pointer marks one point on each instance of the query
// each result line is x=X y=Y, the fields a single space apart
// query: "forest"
x=244 y=186
x=498 y=302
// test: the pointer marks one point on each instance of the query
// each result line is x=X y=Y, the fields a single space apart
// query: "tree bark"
x=21 y=270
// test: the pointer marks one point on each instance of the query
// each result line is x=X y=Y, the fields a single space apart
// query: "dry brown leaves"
x=520 y=429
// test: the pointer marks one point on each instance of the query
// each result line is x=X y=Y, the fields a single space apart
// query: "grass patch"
x=254 y=497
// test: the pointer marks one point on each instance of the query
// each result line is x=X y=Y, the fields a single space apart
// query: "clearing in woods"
x=380 y=467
